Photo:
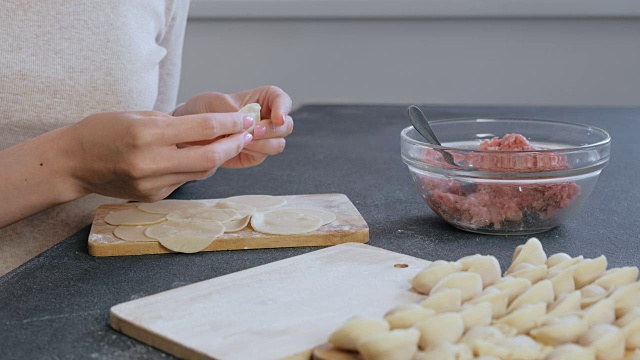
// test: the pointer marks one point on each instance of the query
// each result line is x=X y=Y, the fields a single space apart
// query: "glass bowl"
x=506 y=192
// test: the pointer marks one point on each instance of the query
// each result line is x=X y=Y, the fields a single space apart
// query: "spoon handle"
x=419 y=121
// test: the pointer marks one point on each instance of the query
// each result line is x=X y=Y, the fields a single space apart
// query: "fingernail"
x=247 y=138
x=259 y=131
x=248 y=122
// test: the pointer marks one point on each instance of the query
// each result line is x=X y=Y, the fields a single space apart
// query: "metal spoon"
x=421 y=124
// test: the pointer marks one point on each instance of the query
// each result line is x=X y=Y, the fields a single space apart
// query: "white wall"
x=444 y=59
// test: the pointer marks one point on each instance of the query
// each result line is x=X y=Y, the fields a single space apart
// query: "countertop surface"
x=56 y=306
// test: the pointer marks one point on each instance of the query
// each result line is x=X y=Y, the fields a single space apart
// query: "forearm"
x=34 y=177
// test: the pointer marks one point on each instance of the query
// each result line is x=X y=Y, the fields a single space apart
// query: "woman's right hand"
x=137 y=155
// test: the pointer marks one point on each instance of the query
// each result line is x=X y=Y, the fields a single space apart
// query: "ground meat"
x=485 y=205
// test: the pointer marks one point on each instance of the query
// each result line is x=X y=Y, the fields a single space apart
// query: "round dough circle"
x=167 y=206
x=284 y=222
x=260 y=202
x=132 y=233
x=243 y=210
x=204 y=214
x=186 y=236
x=326 y=216
x=133 y=217
x=236 y=225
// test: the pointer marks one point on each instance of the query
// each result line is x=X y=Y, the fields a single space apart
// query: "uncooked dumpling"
x=593 y=293
x=499 y=300
x=561 y=330
x=607 y=340
x=626 y=298
x=519 y=347
x=474 y=315
x=186 y=236
x=572 y=352
x=563 y=282
x=632 y=316
x=260 y=202
x=481 y=333
x=432 y=274
x=167 y=206
x=617 y=277
x=405 y=316
x=525 y=317
x=486 y=266
x=284 y=222
x=566 y=304
x=399 y=344
x=356 y=329
x=252 y=110
x=602 y=312
x=133 y=217
x=204 y=214
x=588 y=270
x=445 y=327
x=445 y=351
x=540 y=292
x=469 y=284
x=132 y=233
x=531 y=253
x=533 y=273
x=444 y=301
x=514 y=286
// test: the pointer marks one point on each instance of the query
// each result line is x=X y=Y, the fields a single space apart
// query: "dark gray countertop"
x=56 y=306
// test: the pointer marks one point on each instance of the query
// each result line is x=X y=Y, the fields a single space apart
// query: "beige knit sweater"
x=61 y=61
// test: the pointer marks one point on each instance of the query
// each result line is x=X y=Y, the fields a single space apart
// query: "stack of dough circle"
x=187 y=236
x=265 y=212
x=285 y=222
x=573 y=309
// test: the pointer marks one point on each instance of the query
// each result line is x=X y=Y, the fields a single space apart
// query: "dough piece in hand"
x=237 y=225
x=204 y=214
x=132 y=233
x=284 y=222
x=252 y=110
x=186 y=236
x=260 y=202
x=355 y=330
x=396 y=344
x=167 y=206
x=133 y=217
x=326 y=216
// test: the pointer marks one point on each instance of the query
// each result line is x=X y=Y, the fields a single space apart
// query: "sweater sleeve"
x=172 y=40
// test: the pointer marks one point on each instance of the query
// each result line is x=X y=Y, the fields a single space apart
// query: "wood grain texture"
x=349 y=226
x=278 y=310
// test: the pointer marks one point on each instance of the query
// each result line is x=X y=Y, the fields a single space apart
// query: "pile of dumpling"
x=543 y=308
x=190 y=226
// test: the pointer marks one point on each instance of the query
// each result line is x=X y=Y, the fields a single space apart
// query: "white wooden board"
x=275 y=310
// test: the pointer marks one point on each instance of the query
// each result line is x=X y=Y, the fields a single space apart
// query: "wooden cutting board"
x=279 y=310
x=349 y=226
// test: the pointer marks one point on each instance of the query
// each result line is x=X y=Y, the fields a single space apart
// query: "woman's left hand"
x=268 y=135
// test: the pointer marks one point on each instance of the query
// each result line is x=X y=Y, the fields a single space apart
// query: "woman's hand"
x=268 y=134
x=128 y=155
x=138 y=155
